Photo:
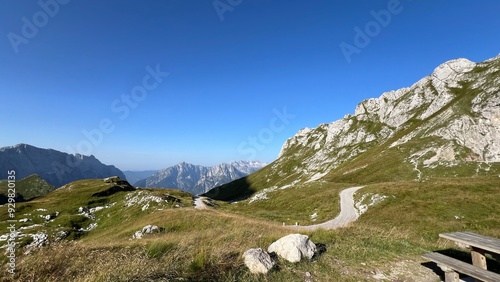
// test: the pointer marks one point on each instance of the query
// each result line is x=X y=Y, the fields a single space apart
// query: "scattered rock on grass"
x=148 y=229
x=40 y=239
x=258 y=261
x=137 y=235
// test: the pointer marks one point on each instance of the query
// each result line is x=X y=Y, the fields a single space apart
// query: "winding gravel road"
x=348 y=213
x=199 y=202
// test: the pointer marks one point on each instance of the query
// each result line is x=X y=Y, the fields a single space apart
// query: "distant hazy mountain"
x=57 y=168
x=198 y=179
x=134 y=176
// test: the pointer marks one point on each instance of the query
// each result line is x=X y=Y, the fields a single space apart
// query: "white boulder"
x=258 y=261
x=148 y=229
x=293 y=247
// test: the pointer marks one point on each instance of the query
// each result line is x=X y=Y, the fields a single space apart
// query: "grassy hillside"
x=206 y=245
x=27 y=188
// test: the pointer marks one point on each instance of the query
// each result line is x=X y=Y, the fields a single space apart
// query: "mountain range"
x=56 y=167
x=198 y=179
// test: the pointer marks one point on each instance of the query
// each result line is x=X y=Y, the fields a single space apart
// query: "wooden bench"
x=450 y=266
x=478 y=245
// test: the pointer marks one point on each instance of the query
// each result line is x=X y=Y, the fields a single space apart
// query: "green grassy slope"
x=27 y=188
x=206 y=245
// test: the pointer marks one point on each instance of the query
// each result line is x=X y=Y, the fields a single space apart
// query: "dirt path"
x=199 y=203
x=348 y=213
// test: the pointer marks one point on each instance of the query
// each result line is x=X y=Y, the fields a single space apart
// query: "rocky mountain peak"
x=198 y=179
x=450 y=73
x=457 y=106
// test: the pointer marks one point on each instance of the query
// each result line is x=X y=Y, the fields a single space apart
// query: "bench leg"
x=478 y=258
x=449 y=274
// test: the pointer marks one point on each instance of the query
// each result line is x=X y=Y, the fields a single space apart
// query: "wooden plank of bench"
x=447 y=264
x=478 y=244
x=474 y=240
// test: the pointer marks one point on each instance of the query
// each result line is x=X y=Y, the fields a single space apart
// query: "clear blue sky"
x=68 y=68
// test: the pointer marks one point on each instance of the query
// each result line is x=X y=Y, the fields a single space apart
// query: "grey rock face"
x=258 y=261
x=57 y=168
x=457 y=106
x=198 y=179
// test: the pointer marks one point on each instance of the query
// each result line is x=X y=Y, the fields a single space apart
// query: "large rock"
x=293 y=247
x=258 y=261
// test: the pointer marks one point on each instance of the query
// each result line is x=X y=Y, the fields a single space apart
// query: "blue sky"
x=210 y=83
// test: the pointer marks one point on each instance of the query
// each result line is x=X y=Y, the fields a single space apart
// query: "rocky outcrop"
x=293 y=247
x=57 y=168
x=453 y=114
x=258 y=261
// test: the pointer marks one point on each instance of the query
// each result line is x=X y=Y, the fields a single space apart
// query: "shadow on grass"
x=113 y=190
x=5 y=200
x=239 y=189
